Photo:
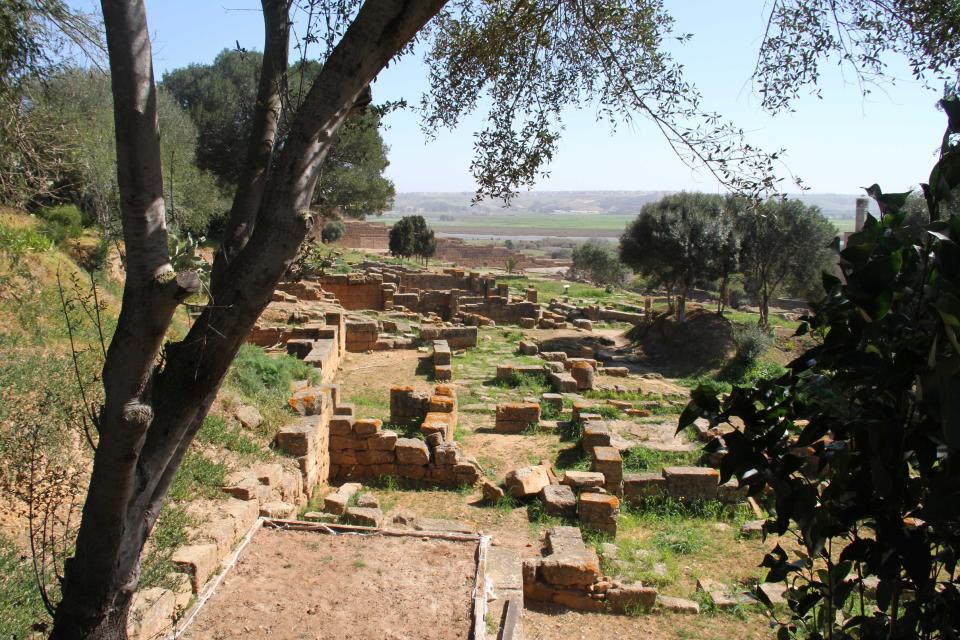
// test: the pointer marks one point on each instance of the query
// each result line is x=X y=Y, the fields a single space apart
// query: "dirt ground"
x=294 y=584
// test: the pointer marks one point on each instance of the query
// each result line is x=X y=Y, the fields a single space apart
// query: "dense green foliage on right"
x=855 y=447
x=410 y=236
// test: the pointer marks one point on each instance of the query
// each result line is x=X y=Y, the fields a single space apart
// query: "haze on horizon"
x=837 y=145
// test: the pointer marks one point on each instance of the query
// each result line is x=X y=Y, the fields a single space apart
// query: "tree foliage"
x=678 y=240
x=856 y=445
x=410 y=236
x=595 y=262
x=784 y=246
x=220 y=98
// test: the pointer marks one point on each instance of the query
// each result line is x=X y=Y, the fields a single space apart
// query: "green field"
x=550 y=224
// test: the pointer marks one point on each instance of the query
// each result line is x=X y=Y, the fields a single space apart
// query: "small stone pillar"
x=863 y=205
x=531 y=294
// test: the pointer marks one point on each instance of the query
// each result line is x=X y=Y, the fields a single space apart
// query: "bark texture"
x=151 y=413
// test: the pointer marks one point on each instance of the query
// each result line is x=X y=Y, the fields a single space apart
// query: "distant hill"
x=457 y=204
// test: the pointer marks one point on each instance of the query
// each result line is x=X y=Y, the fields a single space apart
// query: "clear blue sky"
x=837 y=144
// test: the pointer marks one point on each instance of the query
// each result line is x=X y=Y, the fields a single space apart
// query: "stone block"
x=442 y=404
x=248 y=416
x=443 y=373
x=337 y=501
x=692 y=483
x=554 y=401
x=595 y=434
x=383 y=441
x=678 y=605
x=637 y=486
x=364 y=516
x=526 y=481
x=607 y=460
x=151 y=613
x=528 y=323
x=598 y=508
x=307 y=401
x=412 y=471
x=278 y=509
x=411 y=451
x=528 y=348
x=583 y=479
x=367 y=426
x=514 y=417
x=372 y=456
x=491 y=492
x=447 y=454
x=341 y=425
x=631 y=598
x=583 y=323
x=558 y=500
x=583 y=373
x=198 y=561
x=616 y=372
x=563 y=382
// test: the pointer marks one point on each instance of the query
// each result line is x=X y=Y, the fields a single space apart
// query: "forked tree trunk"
x=151 y=413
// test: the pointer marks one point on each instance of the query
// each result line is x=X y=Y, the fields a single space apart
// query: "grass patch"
x=197 y=477
x=645 y=459
x=169 y=534
x=216 y=431
x=20 y=601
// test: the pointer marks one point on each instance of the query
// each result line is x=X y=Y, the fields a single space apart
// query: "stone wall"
x=359 y=234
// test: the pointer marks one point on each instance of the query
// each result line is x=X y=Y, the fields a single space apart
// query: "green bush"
x=15 y=242
x=260 y=376
x=197 y=477
x=216 y=431
x=752 y=342
x=61 y=223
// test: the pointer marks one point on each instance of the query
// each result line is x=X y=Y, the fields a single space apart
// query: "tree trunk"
x=151 y=413
x=721 y=303
x=682 y=304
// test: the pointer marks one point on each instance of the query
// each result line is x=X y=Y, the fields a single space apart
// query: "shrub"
x=61 y=223
x=261 y=376
x=15 y=242
x=752 y=342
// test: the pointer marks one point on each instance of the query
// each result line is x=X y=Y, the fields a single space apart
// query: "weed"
x=646 y=459
x=682 y=538
x=359 y=563
x=216 y=431
x=549 y=411
x=169 y=533
x=19 y=598
x=197 y=477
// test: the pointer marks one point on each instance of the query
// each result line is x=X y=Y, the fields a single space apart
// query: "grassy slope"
x=39 y=393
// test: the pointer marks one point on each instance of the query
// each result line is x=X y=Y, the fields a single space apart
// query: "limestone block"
x=563 y=382
x=278 y=509
x=447 y=454
x=364 y=516
x=616 y=372
x=383 y=441
x=528 y=348
x=341 y=425
x=248 y=416
x=637 y=486
x=595 y=434
x=367 y=426
x=631 y=598
x=151 y=613
x=607 y=460
x=526 y=481
x=197 y=561
x=558 y=500
x=491 y=492
x=443 y=373
x=583 y=479
x=692 y=483
x=553 y=400
x=411 y=451
x=678 y=605
x=583 y=373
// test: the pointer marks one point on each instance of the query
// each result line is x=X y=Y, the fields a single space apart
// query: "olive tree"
x=678 y=240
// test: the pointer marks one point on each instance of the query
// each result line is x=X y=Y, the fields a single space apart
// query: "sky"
x=836 y=145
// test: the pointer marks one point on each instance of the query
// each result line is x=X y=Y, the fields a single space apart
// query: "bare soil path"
x=291 y=585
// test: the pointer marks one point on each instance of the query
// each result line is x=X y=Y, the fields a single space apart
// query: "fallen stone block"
x=678 y=605
x=616 y=372
x=582 y=479
x=337 y=501
x=364 y=516
x=514 y=417
x=554 y=401
x=526 y=481
x=599 y=511
x=563 y=382
x=607 y=460
x=583 y=323
x=595 y=434
x=248 y=416
x=443 y=373
x=752 y=529
x=631 y=598
x=583 y=373
x=492 y=493
x=528 y=348
x=558 y=500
